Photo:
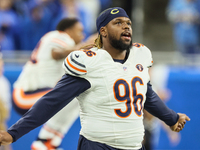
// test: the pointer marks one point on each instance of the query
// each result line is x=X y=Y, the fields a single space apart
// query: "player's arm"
x=66 y=89
x=60 y=53
x=157 y=107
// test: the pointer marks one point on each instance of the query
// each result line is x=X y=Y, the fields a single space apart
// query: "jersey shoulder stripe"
x=73 y=64
x=59 y=42
x=68 y=63
x=76 y=62
x=69 y=70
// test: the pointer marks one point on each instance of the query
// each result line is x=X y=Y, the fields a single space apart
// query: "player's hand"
x=180 y=123
x=5 y=138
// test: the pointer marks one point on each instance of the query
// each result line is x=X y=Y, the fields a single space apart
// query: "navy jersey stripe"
x=71 y=70
x=76 y=62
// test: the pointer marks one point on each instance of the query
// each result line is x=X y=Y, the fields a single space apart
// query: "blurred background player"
x=40 y=75
x=5 y=100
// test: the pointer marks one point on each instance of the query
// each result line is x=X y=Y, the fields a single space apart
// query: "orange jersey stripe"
x=60 y=42
x=26 y=98
x=75 y=68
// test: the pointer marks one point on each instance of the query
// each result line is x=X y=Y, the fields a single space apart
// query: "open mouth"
x=126 y=35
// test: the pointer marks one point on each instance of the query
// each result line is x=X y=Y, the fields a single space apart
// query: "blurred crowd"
x=185 y=18
x=24 y=22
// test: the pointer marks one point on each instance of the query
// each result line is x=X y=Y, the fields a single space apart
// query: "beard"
x=119 y=44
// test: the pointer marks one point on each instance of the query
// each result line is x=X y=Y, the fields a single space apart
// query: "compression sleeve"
x=155 y=106
x=66 y=89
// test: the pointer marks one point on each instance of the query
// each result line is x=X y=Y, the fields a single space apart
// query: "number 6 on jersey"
x=126 y=97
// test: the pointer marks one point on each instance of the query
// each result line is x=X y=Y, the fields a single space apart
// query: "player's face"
x=120 y=33
x=77 y=32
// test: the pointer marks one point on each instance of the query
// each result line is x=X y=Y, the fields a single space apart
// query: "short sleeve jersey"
x=43 y=68
x=111 y=110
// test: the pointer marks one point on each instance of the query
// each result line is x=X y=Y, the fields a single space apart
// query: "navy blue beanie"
x=109 y=14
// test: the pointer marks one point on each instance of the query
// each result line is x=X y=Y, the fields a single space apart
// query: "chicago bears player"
x=40 y=75
x=111 y=83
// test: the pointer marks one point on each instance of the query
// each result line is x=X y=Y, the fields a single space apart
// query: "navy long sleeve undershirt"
x=155 y=106
x=64 y=92
x=68 y=88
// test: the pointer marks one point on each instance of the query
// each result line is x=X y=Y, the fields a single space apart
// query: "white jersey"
x=111 y=110
x=43 y=71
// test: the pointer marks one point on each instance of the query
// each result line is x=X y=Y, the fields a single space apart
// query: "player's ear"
x=103 y=31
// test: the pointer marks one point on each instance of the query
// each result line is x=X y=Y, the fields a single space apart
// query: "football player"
x=111 y=83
